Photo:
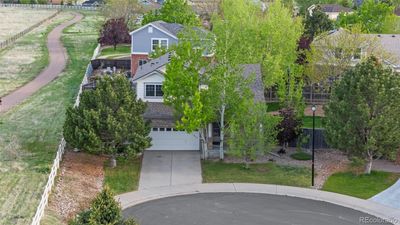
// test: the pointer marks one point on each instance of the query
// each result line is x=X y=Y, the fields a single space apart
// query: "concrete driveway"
x=245 y=209
x=169 y=168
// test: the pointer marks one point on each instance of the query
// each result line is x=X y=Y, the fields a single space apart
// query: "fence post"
x=60 y=151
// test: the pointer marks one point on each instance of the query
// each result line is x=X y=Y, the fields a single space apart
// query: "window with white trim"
x=153 y=90
x=142 y=62
x=159 y=43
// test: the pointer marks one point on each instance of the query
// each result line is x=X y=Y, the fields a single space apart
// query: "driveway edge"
x=134 y=198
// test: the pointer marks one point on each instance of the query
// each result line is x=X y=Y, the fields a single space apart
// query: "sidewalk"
x=389 y=197
x=134 y=198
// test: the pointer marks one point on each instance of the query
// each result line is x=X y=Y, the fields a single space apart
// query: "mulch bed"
x=327 y=162
x=80 y=179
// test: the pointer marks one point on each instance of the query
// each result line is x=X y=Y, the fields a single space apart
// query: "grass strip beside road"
x=30 y=133
x=123 y=178
x=361 y=186
x=263 y=173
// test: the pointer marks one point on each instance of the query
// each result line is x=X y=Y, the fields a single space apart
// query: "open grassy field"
x=15 y=20
x=27 y=57
x=30 y=133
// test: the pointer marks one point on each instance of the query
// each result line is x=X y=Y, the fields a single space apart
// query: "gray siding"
x=141 y=41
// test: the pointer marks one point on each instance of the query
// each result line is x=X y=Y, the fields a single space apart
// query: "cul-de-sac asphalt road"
x=244 y=209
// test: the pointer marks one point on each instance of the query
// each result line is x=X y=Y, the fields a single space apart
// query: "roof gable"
x=151 y=66
x=170 y=29
x=334 y=8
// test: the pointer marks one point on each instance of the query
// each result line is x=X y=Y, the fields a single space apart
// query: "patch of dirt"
x=80 y=179
x=327 y=162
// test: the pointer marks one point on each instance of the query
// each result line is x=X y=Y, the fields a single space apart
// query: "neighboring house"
x=151 y=4
x=334 y=58
x=397 y=11
x=386 y=46
x=331 y=10
x=94 y=3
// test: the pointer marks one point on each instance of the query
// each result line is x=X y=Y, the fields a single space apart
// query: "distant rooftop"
x=334 y=8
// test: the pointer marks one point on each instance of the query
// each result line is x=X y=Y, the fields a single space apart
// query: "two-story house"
x=148 y=38
x=148 y=77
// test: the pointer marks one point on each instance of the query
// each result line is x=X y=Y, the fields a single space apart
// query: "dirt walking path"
x=58 y=60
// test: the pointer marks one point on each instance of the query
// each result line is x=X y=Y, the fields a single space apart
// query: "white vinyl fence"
x=61 y=148
x=12 y=39
x=49 y=6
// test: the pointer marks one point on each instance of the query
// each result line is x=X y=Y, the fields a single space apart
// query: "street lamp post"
x=313 y=108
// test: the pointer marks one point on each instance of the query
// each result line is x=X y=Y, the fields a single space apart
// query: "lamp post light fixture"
x=313 y=108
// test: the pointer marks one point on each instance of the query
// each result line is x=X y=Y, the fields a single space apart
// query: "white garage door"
x=170 y=139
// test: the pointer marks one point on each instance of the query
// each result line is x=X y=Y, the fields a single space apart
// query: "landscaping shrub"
x=103 y=210
x=301 y=156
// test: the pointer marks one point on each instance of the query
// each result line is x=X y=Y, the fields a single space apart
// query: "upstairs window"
x=159 y=43
x=142 y=62
x=153 y=90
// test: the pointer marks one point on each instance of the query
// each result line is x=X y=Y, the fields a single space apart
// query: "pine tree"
x=108 y=120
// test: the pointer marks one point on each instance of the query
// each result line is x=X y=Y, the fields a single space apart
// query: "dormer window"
x=159 y=43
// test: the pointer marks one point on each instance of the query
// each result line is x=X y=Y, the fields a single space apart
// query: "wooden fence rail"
x=61 y=149
x=49 y=6
x=12 y=39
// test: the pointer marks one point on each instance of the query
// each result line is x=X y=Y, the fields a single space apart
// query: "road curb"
x=134 y=198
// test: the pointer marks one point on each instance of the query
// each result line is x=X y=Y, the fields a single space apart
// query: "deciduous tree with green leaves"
x=127 y=9
x=373 y=16
x=362 y=115
x=108 y=120
x=252 y=131
x=173 y=11
x=221 y=74
x=276 y=46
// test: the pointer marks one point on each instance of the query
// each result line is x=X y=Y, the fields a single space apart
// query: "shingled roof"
x=172 y=28
x=334 y=8
x=159 y=114
x=151 y=66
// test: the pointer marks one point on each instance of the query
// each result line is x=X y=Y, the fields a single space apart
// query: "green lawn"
x=30 y=133
x=266 y=173
x=360 y=186
x=308 y=120
x=121 y=50
x=301 y=156
x=17 y=68
x=273 y=106
x=123 y=178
